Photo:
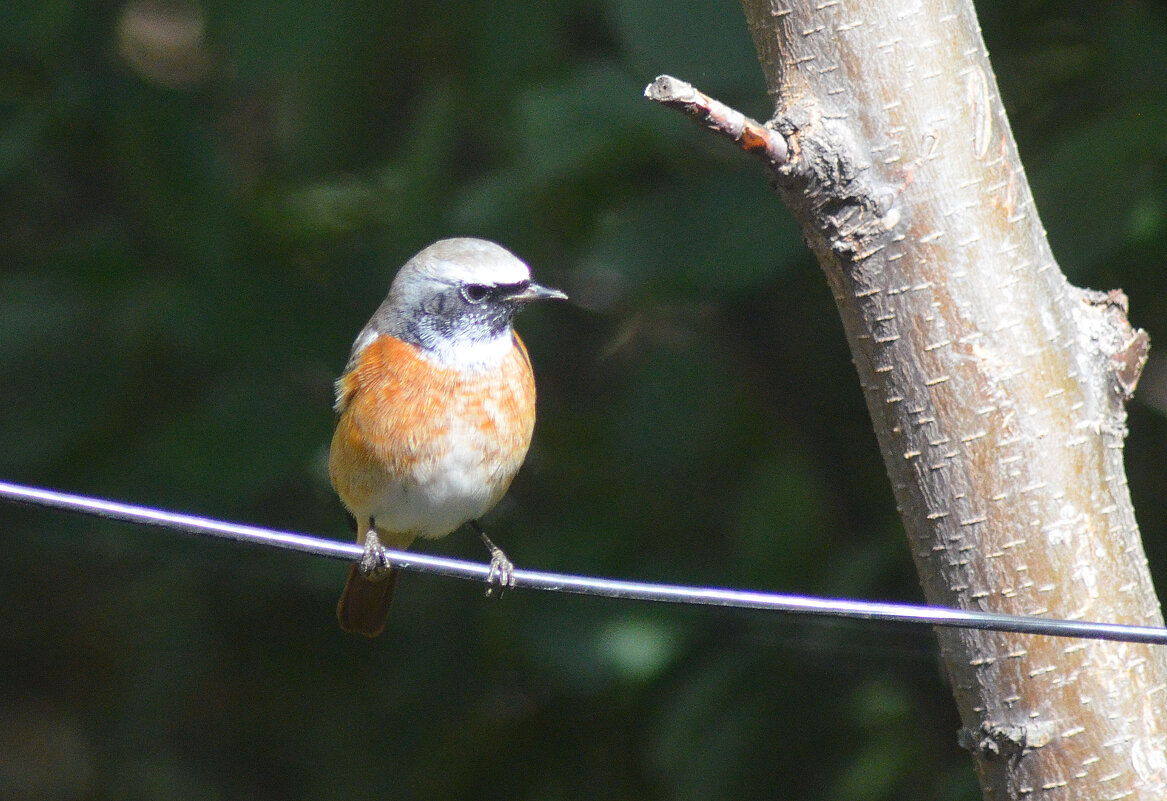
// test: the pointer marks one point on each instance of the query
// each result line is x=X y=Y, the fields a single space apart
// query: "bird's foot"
x=502 y=570
x=374 y=564
x=502 y=573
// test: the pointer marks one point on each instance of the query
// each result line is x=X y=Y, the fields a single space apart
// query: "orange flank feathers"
x=411 y=433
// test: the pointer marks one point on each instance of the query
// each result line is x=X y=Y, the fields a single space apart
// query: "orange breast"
x=417 y=441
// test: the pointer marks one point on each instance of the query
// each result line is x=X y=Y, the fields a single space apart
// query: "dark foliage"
x=200 y=207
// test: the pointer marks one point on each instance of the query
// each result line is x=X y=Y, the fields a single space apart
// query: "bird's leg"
x=502 y=569
x=374 y=564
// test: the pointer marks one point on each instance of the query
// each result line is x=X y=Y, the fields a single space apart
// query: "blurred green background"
x=200 y=206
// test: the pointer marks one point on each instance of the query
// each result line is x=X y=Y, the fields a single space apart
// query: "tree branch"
x=750 y=136
x=996 y=389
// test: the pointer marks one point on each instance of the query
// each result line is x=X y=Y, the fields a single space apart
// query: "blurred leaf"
x=780 y=529
x=563 y=132
x=37 y=26
x=579 y=123
x=1091 y=188
x=639 y=648
x=702 y=235
x=236 y=440
x=57 y=384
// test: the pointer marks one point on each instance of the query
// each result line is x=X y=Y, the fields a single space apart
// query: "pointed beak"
x=533 y=292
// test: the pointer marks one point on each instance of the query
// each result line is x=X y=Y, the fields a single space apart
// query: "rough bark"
x=996 y=388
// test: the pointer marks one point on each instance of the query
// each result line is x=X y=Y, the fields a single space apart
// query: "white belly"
x=442 y=495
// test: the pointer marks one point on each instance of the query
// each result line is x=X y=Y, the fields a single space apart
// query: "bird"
x=435 y=412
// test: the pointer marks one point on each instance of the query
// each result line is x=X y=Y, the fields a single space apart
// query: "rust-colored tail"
x=364 y=604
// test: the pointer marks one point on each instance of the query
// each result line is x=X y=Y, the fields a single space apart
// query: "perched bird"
x=436 y=410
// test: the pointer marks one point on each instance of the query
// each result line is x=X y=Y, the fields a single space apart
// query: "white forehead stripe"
x=470 y=261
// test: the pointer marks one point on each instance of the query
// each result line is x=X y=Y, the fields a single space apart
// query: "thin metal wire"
x=586 y=585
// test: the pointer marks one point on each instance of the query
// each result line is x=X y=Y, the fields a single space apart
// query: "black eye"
x=475 y=293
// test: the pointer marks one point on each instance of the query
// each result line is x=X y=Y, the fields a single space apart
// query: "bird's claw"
x=502 y=572
x=374 y=563
x=501 y=575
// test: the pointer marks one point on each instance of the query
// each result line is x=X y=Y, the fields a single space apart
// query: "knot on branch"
x=809 y=160
x=998 y=741
x=1122 y=349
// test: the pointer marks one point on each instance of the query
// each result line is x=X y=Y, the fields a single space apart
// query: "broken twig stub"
x=750 y=135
